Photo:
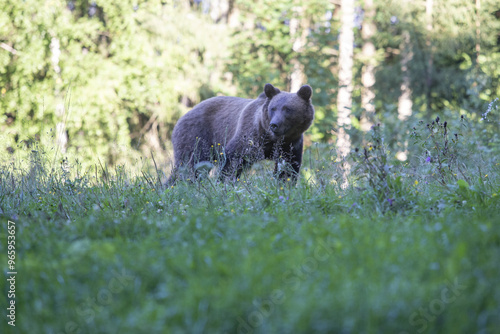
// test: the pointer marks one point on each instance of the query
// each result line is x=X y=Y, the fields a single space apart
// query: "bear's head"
x=289 y=114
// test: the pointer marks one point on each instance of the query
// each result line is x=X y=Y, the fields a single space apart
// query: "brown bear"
x=237 y=132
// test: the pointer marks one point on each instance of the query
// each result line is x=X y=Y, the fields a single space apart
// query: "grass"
x=401 y=250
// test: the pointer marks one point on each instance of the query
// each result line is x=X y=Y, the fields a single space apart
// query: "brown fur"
x=244 y=130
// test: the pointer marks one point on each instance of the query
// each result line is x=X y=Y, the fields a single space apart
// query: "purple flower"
x=428 y=159
x=390 y=200
x=283 y=199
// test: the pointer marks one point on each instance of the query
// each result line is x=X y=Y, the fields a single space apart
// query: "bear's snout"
x=277 y=128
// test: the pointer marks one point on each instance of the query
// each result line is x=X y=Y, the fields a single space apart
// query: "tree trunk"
x=298 y=33
x=428 y=11
x=220 y=10
x=233 y=15
x=61 y=135
x=344 y=97
x=405 y=103
x=478 y=30
x=368 y=74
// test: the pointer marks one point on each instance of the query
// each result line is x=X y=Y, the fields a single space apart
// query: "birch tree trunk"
x=478 y=30
x=298 y=33
x=405 y=103
x=428 y=12
x=61 y=136
x=344 y=97
x=368 y=73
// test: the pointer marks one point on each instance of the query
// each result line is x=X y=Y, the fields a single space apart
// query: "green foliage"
x=458 y=79
x=114 y=74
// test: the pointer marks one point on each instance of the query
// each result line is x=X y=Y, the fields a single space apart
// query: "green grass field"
x=401 y=250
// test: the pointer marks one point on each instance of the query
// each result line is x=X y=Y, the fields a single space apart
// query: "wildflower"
x=486 y=175
x=428 y=159
x=289 y=178
x=340 y=196
x=215 y=160
x=218 y=144
x=390 y=200
x=221 y=153
x=281 y=188
x=416 y=182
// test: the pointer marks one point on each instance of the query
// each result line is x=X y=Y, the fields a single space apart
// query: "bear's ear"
x=305 y=92
x=271 y=91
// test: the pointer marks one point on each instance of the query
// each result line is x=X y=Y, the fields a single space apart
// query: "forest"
x=391 y=227
x=110 y=79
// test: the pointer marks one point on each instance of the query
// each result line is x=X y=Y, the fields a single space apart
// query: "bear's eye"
x=273 y=109
x=286 y=109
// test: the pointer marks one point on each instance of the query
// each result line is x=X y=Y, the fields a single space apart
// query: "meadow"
x=398 y=234
x=406 y=247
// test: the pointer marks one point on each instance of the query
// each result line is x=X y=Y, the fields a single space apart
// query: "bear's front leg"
x=234 y=161
x=288 y=165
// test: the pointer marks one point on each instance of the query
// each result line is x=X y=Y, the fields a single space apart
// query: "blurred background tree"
x=109 y=79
